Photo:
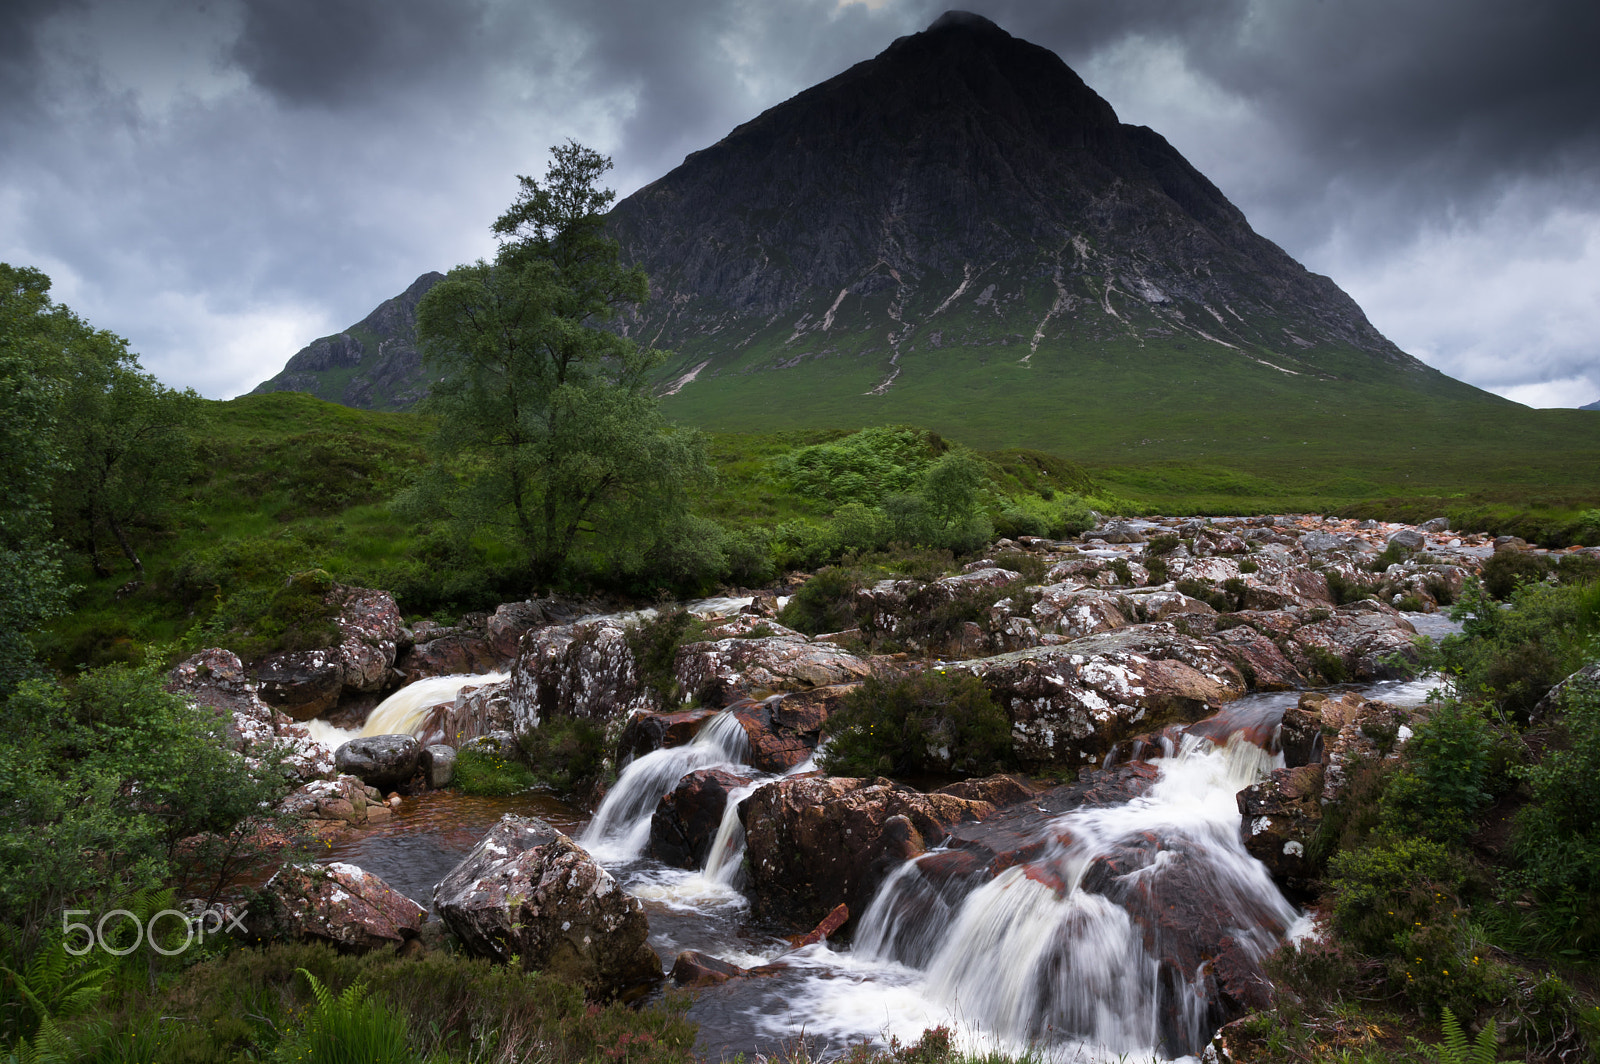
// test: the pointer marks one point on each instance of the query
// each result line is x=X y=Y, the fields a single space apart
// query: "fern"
x=1455 y=1049
x=56 y=984
x=350 y=1029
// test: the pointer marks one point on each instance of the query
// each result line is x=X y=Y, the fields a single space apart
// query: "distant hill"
x=960 y=234
x=373 y=365
x=1591 y=406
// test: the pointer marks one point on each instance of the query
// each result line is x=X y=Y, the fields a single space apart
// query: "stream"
x=1025 y=959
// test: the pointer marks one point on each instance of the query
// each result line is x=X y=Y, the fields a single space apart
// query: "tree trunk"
x=127 y=547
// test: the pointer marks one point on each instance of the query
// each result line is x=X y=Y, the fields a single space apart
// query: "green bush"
x=1077 y=517
x=1557 y=835
x=1014 y=523
x=1505 y=570
x=296 y=615
x=485 y=772
x=1513 y=656
x=351 y=1028
x=1389 y=887
x=655 y=642
x=863 y=467
x=936 y=722
x=1446 y=775
x=824 y=603
x=567 y=755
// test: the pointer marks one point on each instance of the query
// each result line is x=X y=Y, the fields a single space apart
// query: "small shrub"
x=1505 y=570
x=1014 y=523
x=483 y=772
x=1557 y=836
x=1445 y=776
x=1390 y=887
x=1220 y=601
x=933 y=723
x=349 y=1029
x=825 y=603
x=655 y=642
x=1123 y=572
x=1246 y=566
x=1343 y=589
x=1076 y=518
x=567 y=755
x=1329 y=666
x=1156 y=546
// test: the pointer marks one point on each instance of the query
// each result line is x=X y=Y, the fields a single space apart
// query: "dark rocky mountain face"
x=959 y=233
x=372 y=365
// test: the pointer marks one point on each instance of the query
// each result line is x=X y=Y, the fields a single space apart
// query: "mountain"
x=1591 y=406
x=372 y=365
x=960 y=234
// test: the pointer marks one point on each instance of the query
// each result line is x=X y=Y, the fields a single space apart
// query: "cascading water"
x=405 y=711
x=621 y=826
x=1076 y=943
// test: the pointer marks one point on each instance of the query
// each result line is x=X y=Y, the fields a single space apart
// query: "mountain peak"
x=964 y=21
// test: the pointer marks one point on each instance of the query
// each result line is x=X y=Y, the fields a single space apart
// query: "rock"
x=215 y=679
x=1070 y=704
x=343 y=801
x=998 y=791
x=476 y=710
x=384 y=761
x=1407 y=539
x=507 y=625
x=1282 y=815
x=1300 y=736
x=304 y=684
x=370 y=630
x=645 y=732
x=1073 y=611
x=1118 y=532
x=830 y=924
x=695 y=969
x=447 y=655
x=687 y=818
x=1169 y=605
x=1368 y=640
x=438 y=763
x=781 y=739
x=1259 y=659
x=1353 y=729
x=814 y=842
x=576 y=671
x=1509 y=543
x=1585 y=680
x=528 y=891
x=771 y=664
x=1321 y=541
x=339 y=904
x=1435 y=525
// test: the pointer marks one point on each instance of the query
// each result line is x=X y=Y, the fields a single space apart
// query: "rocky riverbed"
x=1203 y=685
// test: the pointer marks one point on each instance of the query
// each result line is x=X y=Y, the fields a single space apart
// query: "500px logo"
x=195 y=927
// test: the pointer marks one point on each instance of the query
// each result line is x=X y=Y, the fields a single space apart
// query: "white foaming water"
x=1025 y=959
x=403 y=712
x=725 y=859
x=621 y=826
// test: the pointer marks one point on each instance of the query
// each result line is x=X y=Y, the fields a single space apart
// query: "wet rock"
x=815 y=842
x=216 y=679
x=1258 y=658
x=1118 y=532
x=454 y=654
x=1282 y=815
x=1435 y=525
x=383 y=761
x=1353 y=729
x=528 y=891
x=1070 y=704
x=645 y=732
x=1300 y=736
x=695 y=969
x=438 y=763
x=830 y=924
x=304 y=684
x=476 y=710
x=336 y=903
x=576 y=671
x=685 y=822
x=780 y=739
x=999 y=791
x=772 y=664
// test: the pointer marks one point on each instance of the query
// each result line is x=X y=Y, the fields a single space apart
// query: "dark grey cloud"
x=222 y=180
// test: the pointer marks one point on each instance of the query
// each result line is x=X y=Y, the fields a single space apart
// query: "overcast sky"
x=222 y=181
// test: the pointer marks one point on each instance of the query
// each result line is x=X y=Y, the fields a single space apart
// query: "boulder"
x=1435 y=525
x=814 y=842
x=507 y=625
x=335 y=903
x=1353 y=729
x=999 y=791
x=343 y=801
x=1585 y=681
x=771 y=664
x=687 y=819
x=645 y=732
x=383 y=761
x=304 y=684
x=370 y=630
x=1117 y=532
x=1073 y=611
x=1407 y=539
x=584 y=670
x=527 y=891
x=1282 y=815
x=694 y=969
x=784 y=730
x=438 y=763
x=1258 y=658
x=453 y=654
x=1368 y=639
x=477 y=709
x=1070 y=704
x=215 y=679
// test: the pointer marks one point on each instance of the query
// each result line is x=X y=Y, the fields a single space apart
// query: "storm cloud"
x=223 y=180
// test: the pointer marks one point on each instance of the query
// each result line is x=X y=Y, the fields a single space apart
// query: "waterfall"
x=1071 y=943
x=621 y=826
x=724 y=860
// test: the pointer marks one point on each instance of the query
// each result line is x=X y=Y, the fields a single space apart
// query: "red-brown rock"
x=685 y=823
x=339 y=904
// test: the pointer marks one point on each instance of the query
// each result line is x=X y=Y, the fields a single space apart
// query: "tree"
x=545 y=422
